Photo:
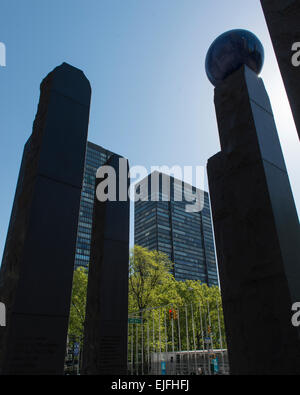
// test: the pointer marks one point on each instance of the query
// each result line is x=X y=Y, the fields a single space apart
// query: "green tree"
x=154 y=292
x=78 y=304
x=147 y=271
x=204 y=305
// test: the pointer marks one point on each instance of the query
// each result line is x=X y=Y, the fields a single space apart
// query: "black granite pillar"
x=37 y=267
x=256 y=231
x=282 y=17
x=106 y=323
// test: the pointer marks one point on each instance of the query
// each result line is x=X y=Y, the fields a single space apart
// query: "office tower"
x=96 y=156
x=166 y=226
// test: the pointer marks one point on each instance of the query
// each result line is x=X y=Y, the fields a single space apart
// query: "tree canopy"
x=153 y=291
x=78 y=304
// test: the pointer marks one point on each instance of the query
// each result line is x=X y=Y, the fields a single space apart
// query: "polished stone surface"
x=105 y=334
x=256 y=231
x=37 y=268
x=282 y=18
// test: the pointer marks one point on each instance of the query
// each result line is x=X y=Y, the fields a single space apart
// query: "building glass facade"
x=186 y=237
x=96 y=157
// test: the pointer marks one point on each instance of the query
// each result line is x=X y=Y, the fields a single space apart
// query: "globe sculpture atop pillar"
x=230 y=51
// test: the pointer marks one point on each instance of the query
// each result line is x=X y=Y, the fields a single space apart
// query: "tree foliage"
x=78 y=304
x=153 y=292
x=148 y=270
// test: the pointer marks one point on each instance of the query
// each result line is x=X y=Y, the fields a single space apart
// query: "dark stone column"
x=37 y=267
x=256 y=231
x=106 y=323
x=282 y=18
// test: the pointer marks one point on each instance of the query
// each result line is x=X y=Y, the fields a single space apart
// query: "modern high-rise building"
x=167 y=226
x=96 y=157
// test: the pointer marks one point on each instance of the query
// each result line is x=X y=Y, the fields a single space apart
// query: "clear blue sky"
x=151 y=100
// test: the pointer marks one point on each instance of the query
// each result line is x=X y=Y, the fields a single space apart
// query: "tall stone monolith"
x=282 y=17
x=38 y=260
x=255 y=220
x=106 y=323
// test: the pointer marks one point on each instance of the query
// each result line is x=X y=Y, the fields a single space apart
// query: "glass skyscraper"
x=186 y=237
x=96 y=157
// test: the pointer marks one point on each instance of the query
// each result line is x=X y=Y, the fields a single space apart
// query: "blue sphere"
x=232 y=50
